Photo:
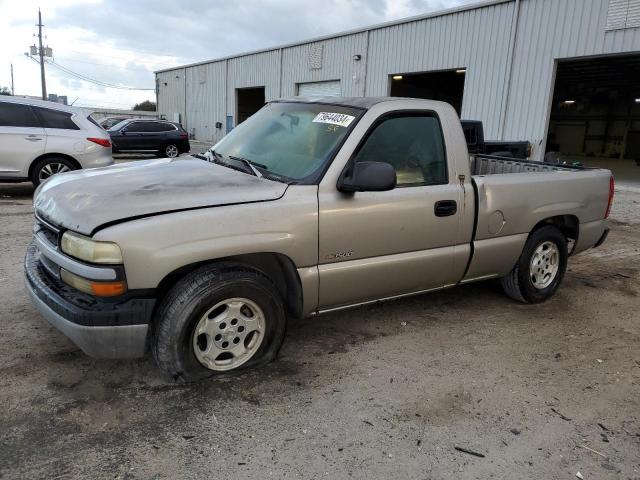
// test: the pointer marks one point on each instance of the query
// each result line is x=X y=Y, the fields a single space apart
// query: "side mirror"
x=369 y=177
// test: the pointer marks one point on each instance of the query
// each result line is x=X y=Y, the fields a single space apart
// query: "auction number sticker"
x=331 y=118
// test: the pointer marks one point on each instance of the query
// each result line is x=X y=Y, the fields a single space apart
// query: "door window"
x=140 y=127
x=412 y=144
x=56 y=119
x=16 y=115
x=164 y=127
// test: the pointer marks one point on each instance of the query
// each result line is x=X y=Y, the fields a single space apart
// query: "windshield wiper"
x=251 y=164
x=247 y=164
x=219 y=160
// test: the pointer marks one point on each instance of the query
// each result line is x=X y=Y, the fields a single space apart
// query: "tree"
x=146 y=106
x=6 y=91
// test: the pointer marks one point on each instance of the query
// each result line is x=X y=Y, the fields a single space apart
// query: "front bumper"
x=102 y=328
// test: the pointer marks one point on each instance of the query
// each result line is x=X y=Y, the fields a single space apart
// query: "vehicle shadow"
x=310 y=347
x=17 y=191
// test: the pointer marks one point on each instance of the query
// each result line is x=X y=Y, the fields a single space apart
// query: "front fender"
x=155 y=246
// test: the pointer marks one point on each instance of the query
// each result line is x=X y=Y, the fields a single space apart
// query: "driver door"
x=374 y=245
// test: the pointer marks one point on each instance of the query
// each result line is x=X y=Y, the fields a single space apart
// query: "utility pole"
x=41 y=54
x=13 y=91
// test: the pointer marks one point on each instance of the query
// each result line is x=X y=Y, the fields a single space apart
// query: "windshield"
x=289 y=140
x=118 y=125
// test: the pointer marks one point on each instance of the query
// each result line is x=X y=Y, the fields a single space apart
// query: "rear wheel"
x=218 y=320
x=47 y=167
x=171 y=150
x=540 y=268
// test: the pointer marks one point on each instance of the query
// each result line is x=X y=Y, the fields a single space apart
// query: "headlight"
x=83 y=248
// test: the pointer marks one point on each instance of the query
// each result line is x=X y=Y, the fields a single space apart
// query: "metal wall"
x=474 y=39
x=549 y=30
x=256 y=70
x=509 y=48
x=170 y=93
x=337 y=63
x=205 y=107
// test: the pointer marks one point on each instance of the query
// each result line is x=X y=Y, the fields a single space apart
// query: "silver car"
x=39 y=139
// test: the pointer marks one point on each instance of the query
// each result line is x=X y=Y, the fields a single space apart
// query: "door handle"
x=445 y=208
x=33 y=138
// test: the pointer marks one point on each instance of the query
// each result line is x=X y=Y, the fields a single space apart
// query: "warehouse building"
x=561 y=74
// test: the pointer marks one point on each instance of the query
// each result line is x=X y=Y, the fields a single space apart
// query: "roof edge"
x=415 y=18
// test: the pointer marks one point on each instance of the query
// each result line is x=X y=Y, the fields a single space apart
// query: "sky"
x=122 y=42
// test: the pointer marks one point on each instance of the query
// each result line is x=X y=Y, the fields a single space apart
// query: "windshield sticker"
x=339 y=119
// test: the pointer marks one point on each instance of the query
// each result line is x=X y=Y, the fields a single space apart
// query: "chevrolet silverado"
x=309 y=206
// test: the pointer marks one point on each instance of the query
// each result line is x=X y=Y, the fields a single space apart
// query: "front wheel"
x=218 y=319
x=540 y=268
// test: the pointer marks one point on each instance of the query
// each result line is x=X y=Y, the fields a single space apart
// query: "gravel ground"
x=543 y=392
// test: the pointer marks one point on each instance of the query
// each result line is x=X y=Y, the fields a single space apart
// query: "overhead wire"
x=89 y=79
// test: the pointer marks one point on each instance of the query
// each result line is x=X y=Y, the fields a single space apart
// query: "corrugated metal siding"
x=205 y=100
x=171 y=95
x=633 y=15
x=550 y=30
x=337 y=64
x=258 y=70
x=476 y=39
x=617 y=14
x=320 y=89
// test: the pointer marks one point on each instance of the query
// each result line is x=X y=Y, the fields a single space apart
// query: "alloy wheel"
x=544 y=266
x=52 y=168
x=171 y=151
x=229 y=334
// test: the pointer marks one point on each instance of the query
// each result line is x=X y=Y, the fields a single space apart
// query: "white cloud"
x=122 y=42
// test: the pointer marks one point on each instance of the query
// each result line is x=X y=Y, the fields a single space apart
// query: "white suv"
x=39 y=139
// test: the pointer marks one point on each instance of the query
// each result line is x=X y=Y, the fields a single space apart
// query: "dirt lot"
x=379 y=392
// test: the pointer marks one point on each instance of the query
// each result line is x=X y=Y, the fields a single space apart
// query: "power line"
x=89 y=79
x=108 y=65
x=93 y=80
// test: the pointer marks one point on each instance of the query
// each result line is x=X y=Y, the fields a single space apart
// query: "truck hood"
x=85 y=200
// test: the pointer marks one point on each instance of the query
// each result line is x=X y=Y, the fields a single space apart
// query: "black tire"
x=39 y=168
x=184 y=305
x=518 y=284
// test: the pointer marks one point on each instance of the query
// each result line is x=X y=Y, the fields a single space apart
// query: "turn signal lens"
x=84 y=248
x=99 y=289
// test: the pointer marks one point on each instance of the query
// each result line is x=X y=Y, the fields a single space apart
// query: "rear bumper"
x=101 y=328
x=602 y=238
x=590 y=235
x=99 y=158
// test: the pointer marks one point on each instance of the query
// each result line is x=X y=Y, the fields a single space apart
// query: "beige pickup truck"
x=311 y=205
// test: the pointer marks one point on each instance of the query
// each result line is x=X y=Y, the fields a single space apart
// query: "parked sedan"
x=39 y=139
x=163 y=138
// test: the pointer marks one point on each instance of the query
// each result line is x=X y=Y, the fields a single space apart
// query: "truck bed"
x=513 y=196
x=493 y=165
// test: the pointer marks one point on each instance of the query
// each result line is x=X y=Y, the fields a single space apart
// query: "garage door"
x=319 y=89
